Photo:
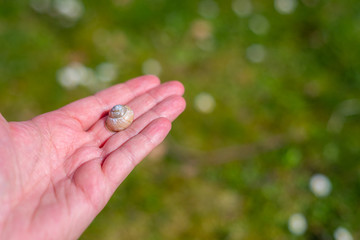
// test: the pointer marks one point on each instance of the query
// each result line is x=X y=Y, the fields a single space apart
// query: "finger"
x=80 y=156
x=122 y=161
x=90 y=109
x=139 y=105
x=170 y=108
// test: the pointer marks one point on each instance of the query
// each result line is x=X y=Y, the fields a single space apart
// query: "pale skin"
x=58 y=170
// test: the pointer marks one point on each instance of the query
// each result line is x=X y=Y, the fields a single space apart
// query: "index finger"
x=90 y=109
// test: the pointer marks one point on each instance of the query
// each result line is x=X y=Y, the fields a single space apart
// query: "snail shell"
x=120 y=117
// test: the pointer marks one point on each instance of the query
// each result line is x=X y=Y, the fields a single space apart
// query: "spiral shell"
x=120 y=117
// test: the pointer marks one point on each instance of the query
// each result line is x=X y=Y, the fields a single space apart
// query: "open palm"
x=58 y=170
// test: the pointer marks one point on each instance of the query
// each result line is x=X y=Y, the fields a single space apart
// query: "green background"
x=240 y=171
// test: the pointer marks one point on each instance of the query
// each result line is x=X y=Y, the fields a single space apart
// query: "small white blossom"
x=72 y=75
x=256 y=53
x=342 y=233
x=106 y=72
x=242 y=8
x=208 y=9
x=40 y=6
x=285 y=6
x=204 y=102
x=320 y=185
x=70 y=9
x=297 y=224
x=152 y=66
x=259 y=25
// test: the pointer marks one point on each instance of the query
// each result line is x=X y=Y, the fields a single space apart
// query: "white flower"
x=204 y=102
x=151 y=66
x=297 y=224
x=70 y=9
x=41 y=6
x=285 y=6
x=342 y=233
x=89 y=79
x=242 y=8
x=320 y=185
x=72 y=75
x=256 y=53
x=106 y=72
x=208 y=9
x=259 y=25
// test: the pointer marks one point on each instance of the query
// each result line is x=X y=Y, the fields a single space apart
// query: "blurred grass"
x=240 y=171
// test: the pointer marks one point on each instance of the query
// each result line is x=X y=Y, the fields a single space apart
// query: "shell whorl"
x=120 y=117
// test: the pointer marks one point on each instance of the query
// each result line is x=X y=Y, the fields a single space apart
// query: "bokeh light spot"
x=41 y=6
x=256 y=53
x=297 y=224
x=106 y=72
x=242 y=8
x=320 y=185
x=208 y=9
x=285 y=6
x=259 y=25
x=152 y=66
x=204 y=102
x=71 y=9
x=342 y=233
x=72 y=75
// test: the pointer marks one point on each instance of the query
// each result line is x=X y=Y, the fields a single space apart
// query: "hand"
x=58 y=170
